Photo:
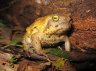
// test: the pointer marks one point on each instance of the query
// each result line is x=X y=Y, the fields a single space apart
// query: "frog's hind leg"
x=37 y=44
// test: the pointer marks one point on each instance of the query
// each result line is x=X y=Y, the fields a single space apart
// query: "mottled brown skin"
x=47 y=30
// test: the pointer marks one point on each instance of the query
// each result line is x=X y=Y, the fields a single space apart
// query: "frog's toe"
x=42 y=53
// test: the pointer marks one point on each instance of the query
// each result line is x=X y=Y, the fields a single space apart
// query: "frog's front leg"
x=67 y=44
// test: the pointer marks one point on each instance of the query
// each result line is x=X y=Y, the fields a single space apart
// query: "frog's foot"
x=28 y=52
x=42 y=53
x=36 y=55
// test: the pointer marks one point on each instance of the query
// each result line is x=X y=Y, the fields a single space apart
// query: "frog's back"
x=39 y=24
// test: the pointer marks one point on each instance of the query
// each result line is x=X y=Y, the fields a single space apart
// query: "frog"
x=47 y=30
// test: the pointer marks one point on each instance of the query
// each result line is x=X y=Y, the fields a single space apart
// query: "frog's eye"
x=55 y=18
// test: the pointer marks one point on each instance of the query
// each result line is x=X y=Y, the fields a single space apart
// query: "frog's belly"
x=49 y=41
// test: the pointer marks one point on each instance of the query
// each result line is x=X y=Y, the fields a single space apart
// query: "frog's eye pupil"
x=55 y=18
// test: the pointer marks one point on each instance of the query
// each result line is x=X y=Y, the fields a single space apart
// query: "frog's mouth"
x=58 y=31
